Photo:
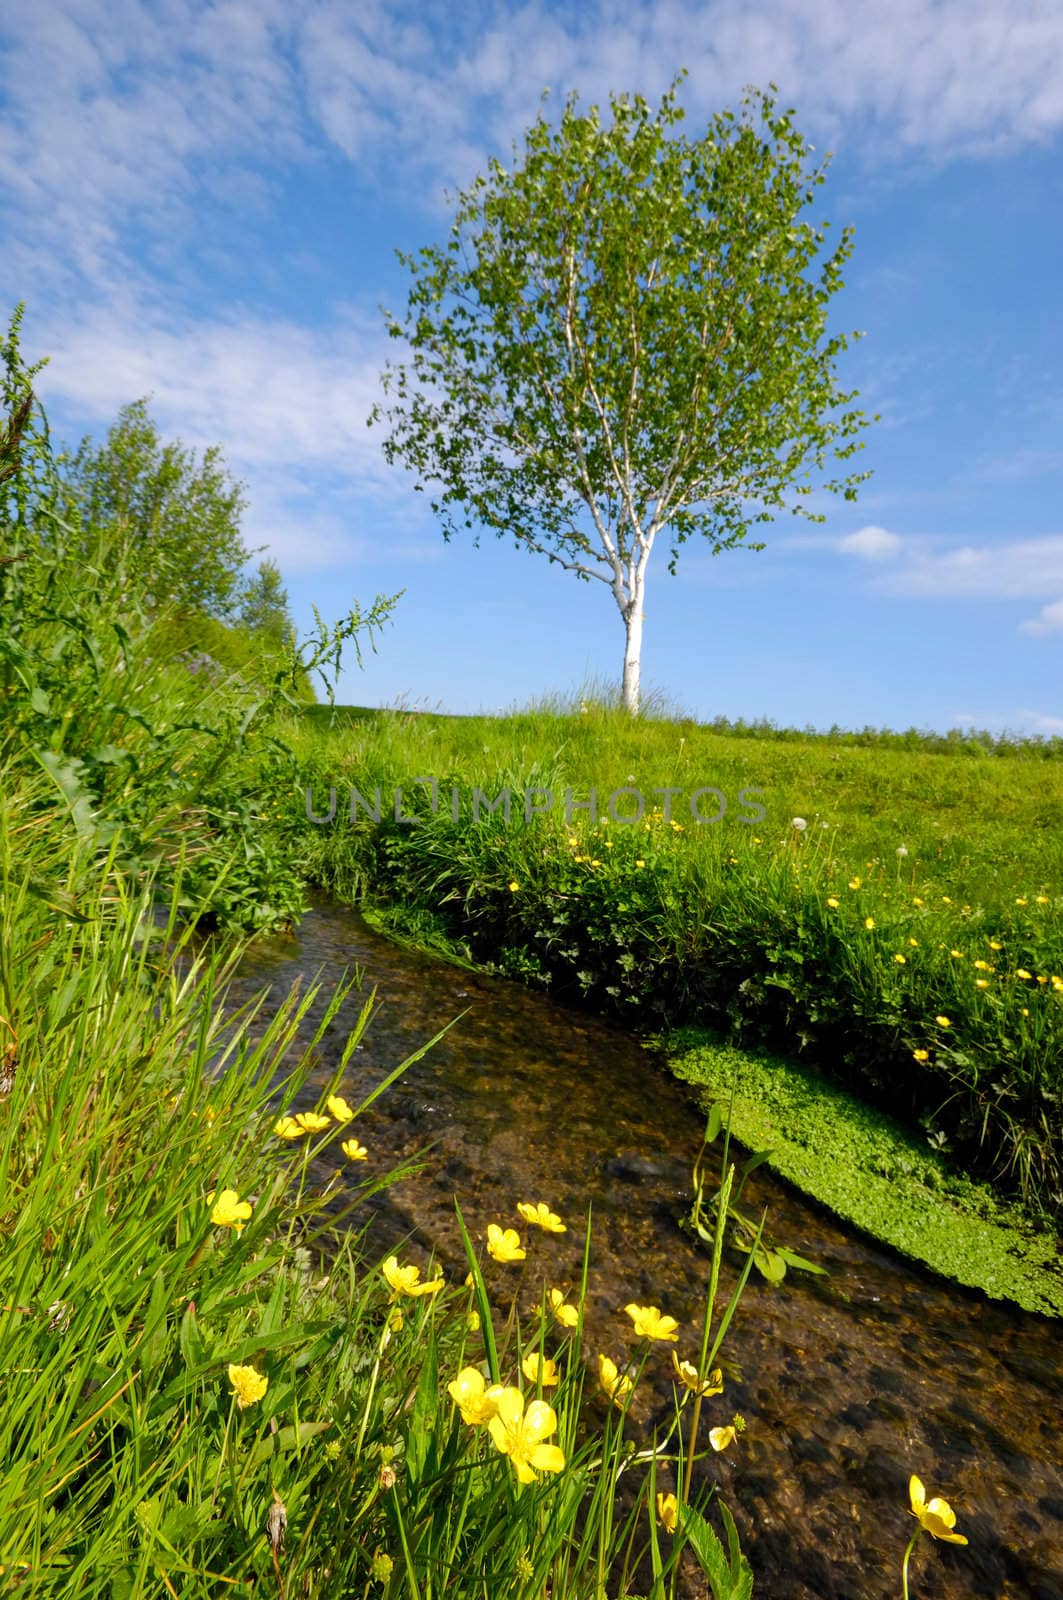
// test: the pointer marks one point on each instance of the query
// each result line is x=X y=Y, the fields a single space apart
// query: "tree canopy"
x=624 y=340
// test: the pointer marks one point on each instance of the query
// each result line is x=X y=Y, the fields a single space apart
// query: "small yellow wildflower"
x=981 y=983
x=650 y=1323
x=475 y=1401
x=313 y=1121
x=668 y=1511
x=639 y=863
x=720 y=1438
x=946 y=900
x=339 y=1108
x=916 y=901
x=472 y=1321
x=503 y=1244
x=691 y=1379
x=921 y=1055
x=956 y=954
x=519 y=1434
x=1021 y=972
x=248 y=1385
x=563 y=1313
x=1042 y=899
x=943 y=1022
x=982 y=966
x=832 y=902
x=854 y=883
x=540 y=1216
x=288 y=1128
x=540 y=1369
x=229 y=1211
x=616 y=1385
x=869 y=923
x=936 y=1515
x=407 y=1280
x=914 y=943
x=901 y=961
x=1022 y=901
x=993 y=945
x=514 y=886
x=353 y=1150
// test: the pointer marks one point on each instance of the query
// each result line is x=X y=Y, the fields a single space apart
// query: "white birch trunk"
x=633 y=618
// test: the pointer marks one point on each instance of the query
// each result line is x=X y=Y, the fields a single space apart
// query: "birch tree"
x=622 y=344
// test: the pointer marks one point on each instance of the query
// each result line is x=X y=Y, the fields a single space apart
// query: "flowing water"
x=849 y=1383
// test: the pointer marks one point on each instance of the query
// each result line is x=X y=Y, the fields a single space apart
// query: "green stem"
x=912 y=1542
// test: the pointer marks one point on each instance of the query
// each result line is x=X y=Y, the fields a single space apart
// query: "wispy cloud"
x=1017 y=569
x=870 y=544
x=1050 y=620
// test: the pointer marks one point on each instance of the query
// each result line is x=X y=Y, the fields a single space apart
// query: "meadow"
x=890 y=909
x=210 y=1387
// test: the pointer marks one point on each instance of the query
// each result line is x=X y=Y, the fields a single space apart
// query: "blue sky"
x=202 y=203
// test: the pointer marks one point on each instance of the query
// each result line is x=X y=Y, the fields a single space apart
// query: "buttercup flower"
x=833 y=902
x=668 y=1511
x=519 y=1434
x=229 y=1210
x=312 y=1121
x=540 y=1369
x=503 y=1244
x=540 y=1216
x=248 y=1385
x=869 y=923
x=560 y=1309
x=288 y=1128
x=353 y=1150
x=720 y=1438
x=1021 y=972
x=407 y=1280
x=514 y=886
x=691 y=1379
x=473 y=1398
x=854 y=883
x=616 y=1385
x=339 y=1108
x=943 y=1022
x=921 y=1055
x=900 y=960
x=936 y=1515
x=651 y=1324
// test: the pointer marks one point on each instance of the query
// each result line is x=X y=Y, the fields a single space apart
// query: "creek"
x=849 y=1383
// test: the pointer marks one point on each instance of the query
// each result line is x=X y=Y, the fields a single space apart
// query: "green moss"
x=872 y=1173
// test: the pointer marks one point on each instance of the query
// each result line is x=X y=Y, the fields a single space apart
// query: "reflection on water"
x=849 y=1383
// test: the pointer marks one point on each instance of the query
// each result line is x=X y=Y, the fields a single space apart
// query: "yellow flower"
x=312 y=1121
x=540 y=1369
x=936 y=1515
x=614 y=1384
x=943 y=1022
x=981 y=983
x=900 y=960
x=353 y=1150
x=519 y=1434
x=946 y=900
x=668 y=1511
x=993 y=945
x=339 y=1108
x=407 y=1280
x=869 y=923
x=473 y=1398
x=248 y=1385
x=1057 y=984
x=720 y=1438
x=1021 y=972
x=514 y=886
x=472 y=1321
x=832 y=902
x=983 y=966
x=1022 y=901
x=504 y=1243
x=288 y=1128
x=560 y=1309
x=229 y=1210
x=1042 y=899
x=921 y=1055
x=854 y=883
x=914 y=943
x=651 y=1324
x=691 y=1379
x=540 y=1216
x=639 y=863
x=956 y=954
x=916 y=901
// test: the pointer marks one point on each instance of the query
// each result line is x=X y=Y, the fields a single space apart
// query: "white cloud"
x=1024 y=720
x=1049 y=621
x=871 y=543
x=1018 y=569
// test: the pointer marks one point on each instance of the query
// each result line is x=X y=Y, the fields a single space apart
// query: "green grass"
x=923 y=885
